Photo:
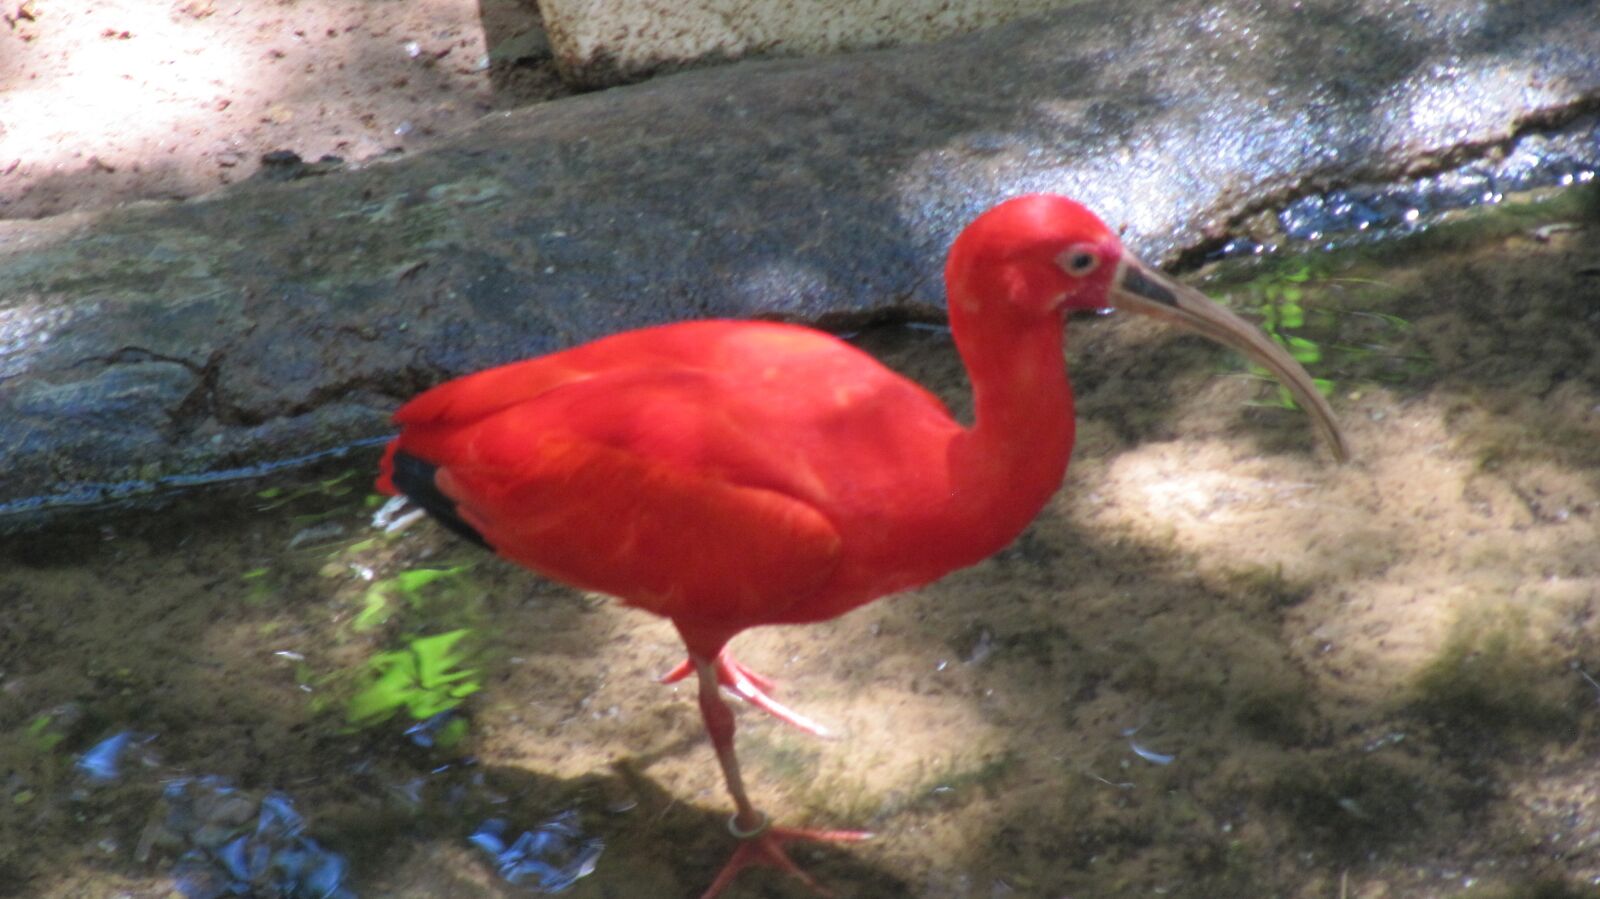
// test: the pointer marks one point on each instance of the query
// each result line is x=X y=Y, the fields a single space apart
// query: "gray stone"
x=163 y=344
x=600 y=44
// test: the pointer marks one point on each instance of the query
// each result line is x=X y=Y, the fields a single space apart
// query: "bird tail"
x=402 y=474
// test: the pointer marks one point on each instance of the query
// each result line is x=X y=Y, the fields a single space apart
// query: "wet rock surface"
x=1375 y=212
x=166 y=344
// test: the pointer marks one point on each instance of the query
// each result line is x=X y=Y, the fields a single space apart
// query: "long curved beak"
x=1140 y=288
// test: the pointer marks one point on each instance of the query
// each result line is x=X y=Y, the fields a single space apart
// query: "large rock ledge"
x=157 y=343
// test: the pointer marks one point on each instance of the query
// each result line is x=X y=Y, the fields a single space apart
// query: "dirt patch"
x=141 y=99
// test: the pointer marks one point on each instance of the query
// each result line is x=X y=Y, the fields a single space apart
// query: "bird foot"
x=764 y=846
x=752 y=688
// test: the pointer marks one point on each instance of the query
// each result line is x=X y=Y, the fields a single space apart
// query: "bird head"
x=1034 y=258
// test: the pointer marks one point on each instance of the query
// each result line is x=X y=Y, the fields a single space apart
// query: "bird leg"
x=749 y=686
x=760 y=843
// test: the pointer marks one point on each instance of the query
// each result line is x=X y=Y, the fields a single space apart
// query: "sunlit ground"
x=156 y=99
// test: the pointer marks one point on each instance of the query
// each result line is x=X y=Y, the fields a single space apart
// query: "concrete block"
x=603 y=42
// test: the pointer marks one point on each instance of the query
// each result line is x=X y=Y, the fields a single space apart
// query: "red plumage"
x=722 y=474
x=732 y=474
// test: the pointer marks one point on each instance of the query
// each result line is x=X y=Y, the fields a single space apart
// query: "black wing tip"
x=414 y=477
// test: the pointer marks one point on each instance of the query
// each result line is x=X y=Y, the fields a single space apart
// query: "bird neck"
x=1013 y=458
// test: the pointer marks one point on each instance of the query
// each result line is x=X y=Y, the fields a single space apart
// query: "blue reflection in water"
x=554 y=854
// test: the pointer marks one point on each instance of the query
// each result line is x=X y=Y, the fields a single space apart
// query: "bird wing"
x=656 y=484
x=730 y=347
x=759 y=404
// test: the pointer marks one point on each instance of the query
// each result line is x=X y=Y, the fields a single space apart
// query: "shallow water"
x=1371 y=680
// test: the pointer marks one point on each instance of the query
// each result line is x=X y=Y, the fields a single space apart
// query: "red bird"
x=728 y=474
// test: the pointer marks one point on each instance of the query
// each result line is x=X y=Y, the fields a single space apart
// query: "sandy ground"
x=1373 y=680
x=116 y=100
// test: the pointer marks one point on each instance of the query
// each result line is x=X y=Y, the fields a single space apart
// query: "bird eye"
x=1078 y=260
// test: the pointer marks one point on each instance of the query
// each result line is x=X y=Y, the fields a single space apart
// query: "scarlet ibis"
x=728 y=474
